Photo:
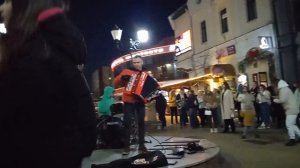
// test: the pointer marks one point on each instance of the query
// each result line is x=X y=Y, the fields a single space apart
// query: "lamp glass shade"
x=143 y=36
x=116 y=34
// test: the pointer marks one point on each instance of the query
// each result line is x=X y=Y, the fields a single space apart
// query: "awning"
x=220 y=70
x=168 y=85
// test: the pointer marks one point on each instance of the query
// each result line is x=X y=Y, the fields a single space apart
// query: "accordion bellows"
x=141 y=84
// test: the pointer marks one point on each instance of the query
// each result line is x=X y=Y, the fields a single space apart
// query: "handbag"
x=207 y=112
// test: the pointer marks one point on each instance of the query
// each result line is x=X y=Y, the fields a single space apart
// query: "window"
x=203 y=32
x=224 y=23
x=251 y=9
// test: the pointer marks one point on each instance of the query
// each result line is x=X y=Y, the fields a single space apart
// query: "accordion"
x=142 y=85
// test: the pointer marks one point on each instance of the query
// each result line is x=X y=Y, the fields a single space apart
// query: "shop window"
x=263 y=79
x=224 y=21
x=203 y=31
x=251 y=10
x=254 y=78
x=260 y=78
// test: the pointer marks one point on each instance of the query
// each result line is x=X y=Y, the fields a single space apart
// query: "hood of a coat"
x=62 y=35
x=108 y=92
x=282 y=84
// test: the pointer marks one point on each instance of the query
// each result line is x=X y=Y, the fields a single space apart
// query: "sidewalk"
x=268 y=151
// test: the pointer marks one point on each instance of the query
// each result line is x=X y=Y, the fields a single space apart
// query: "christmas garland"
x=255 y=54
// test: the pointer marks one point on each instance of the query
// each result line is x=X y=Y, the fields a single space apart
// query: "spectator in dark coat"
x=160 y=106
x=181 y=106
x=192 y=106
x=47 y=117
x=254 y=90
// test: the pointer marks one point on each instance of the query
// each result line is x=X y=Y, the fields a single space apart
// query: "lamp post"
x=142 y=36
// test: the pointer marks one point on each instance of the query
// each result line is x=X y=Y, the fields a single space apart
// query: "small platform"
x=157 y=142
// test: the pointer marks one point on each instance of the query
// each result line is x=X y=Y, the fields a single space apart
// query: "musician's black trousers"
x=138 y=111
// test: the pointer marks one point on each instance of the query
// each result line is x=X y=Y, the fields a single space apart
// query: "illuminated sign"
x=143 y=53
x=183 y=43
x=223 y=52
x=265 y=42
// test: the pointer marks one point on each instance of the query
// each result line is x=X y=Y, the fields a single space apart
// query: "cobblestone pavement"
x=268 y=151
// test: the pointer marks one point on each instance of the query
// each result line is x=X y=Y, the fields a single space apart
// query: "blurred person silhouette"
x=192 y=107
x=173 y=106
x=254 y=90
x=106 y=102
x=160 y=106
x=181 y=106
x=211 y=104
x=201 y=108
x=277 y=111
x=288 y=101
x=227 y=108
x=264 y=100
x=247 y=112
x=54 y=124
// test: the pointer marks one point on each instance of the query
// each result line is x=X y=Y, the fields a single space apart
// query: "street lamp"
x=142 y=36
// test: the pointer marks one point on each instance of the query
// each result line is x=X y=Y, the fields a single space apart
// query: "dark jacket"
x=47 y=117
x=192 y=102
x=161 y=103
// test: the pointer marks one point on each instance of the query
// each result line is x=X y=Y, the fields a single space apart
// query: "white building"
x=223 y=32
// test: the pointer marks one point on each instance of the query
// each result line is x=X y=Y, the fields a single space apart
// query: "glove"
x=125 y=77
x=276 y=101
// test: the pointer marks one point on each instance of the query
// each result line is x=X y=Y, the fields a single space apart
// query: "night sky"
x=96 y=18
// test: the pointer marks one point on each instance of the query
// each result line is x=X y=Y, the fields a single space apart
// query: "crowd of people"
x=258 y=107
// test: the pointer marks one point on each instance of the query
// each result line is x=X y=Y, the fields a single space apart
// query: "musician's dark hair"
x=137 y=56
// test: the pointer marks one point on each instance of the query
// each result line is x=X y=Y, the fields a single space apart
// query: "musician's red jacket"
x=118 y=82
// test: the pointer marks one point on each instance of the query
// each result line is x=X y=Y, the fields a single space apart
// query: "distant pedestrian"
x=254 y=90
x=210 y=101
x=287 y=99
x=173 y=107
x=201 y=108
x=227 y=107
x=264 y=101
x=192 y=106
x=160 y=106
x=219 y=113
x=247 y=112
x=181 y=106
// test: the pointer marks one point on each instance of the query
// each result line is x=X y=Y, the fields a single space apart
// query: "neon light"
x=143 y=53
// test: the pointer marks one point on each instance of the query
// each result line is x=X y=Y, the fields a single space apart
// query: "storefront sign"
x=265 y=42
x=223 y=52
x=183 y=43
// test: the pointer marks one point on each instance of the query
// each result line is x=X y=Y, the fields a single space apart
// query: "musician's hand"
x=125 y=77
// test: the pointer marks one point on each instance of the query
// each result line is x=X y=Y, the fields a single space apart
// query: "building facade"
x=237 y=33
x=287 y=18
